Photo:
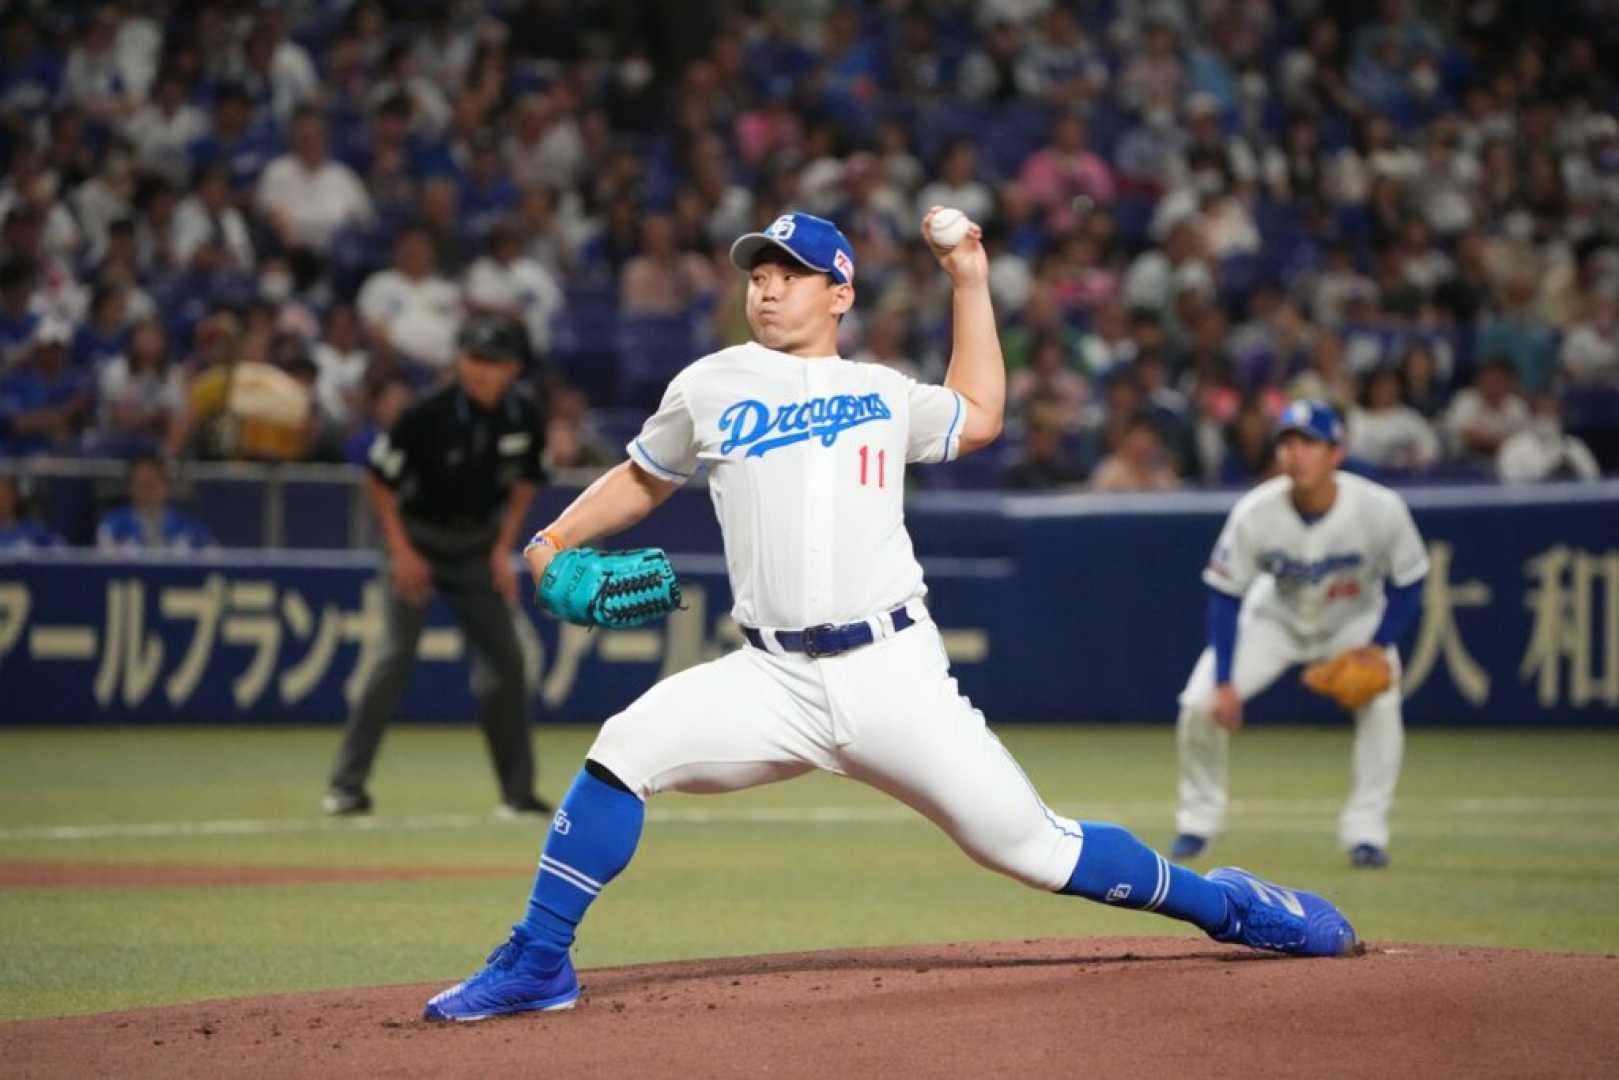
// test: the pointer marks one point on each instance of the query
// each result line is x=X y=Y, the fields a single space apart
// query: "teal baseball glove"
x=612 y=589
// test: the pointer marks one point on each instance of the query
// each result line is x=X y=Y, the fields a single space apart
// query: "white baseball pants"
x=887 y=714
x=1266 y=649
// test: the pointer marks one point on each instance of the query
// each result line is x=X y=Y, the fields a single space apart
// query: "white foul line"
x=1271 y=814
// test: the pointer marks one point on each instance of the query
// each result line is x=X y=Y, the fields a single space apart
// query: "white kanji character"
x=1565 y=628
x=300 y=680
x=15 y=603
x=252 y=621
x=1440 y=635
x=202 y=605
x=128 y=654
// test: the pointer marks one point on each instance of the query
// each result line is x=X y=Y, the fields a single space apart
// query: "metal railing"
x=272 y=486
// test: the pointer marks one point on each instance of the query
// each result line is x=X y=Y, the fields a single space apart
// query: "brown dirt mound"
x=44 y=874
x=1102 y=1007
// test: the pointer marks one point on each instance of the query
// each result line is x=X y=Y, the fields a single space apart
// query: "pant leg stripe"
x=1160 y=893
x=570 y=875
x=574 y=870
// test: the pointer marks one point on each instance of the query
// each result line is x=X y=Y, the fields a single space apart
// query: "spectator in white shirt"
x=106 y=195
x=306 y=195
x=1591 y=349
x=1386 y=432
x=1486 y=414
x=409 y=311
x=342 y=361
x=207 y=223
x=276 y=68
x=546 y=146
x=1157 y=273
x=97 y=77
x=509 y=283
x=443 y=52
x=139 y=392
x=139 y=41
x=164 y=128
x=958 y=185
x=430 y=112
x=1542 y=452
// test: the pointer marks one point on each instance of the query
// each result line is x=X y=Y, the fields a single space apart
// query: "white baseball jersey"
x=793 y=446
x=1316 y=577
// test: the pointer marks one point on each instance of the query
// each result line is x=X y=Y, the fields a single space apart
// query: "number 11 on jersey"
x=882 y=460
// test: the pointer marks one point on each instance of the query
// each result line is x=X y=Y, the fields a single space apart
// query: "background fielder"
x=1310 y=564
x=844 y=669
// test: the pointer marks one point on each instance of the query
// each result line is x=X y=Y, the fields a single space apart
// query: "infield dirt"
x=1093 y=1007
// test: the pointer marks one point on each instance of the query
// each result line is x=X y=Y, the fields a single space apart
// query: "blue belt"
x=826 y=639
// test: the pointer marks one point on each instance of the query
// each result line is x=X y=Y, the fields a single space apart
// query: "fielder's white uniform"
x=1310 y=590
x=806 y=465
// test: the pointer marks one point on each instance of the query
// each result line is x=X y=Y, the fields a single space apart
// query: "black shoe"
x=531 y=807
x=340 y=803
x=1368 y=857
x=1188 y=846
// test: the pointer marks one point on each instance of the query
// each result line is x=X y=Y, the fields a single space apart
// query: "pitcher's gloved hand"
x=612 y=589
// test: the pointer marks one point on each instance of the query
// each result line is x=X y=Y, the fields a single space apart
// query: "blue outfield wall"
x=1054 y=609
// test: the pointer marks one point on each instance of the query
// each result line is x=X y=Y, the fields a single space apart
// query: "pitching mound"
x=1098 y=1007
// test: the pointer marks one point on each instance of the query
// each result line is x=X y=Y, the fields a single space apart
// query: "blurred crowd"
x=1196 y=210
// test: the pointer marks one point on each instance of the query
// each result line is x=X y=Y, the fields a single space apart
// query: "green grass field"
x=1502 y=839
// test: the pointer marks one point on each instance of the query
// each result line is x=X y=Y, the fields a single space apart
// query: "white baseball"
x=947 y=226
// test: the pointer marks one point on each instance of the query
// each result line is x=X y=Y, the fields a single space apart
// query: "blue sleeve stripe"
x=650 y=460
x=1223 y=609
x=1404 y=602
x=954 y=420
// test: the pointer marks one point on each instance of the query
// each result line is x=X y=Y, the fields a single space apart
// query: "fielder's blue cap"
x=815 y=242
x=1312 y=419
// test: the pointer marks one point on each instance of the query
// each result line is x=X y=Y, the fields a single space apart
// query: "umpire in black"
x=451 y=484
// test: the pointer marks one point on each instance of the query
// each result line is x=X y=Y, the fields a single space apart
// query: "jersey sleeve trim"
x=646 y=460
x=1412 y=575
x=1220 y=583
x=385 y=461
x=952 y=443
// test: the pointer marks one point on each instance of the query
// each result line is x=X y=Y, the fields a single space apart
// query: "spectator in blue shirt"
x=149 y=522
x=44 y=404
x=30 y=74
x=234 y=142
x=106 y=334
x=17 y=533
x=488 y=193
x=17 y=315
x=384 y=403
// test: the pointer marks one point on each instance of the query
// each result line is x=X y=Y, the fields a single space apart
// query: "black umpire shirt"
x=452 y=464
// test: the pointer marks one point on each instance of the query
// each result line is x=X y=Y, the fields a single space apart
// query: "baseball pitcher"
x=1315 y=567
x=844 y=669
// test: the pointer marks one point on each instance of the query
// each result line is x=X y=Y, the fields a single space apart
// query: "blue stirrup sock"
x=590 y=842
x=1116 y=868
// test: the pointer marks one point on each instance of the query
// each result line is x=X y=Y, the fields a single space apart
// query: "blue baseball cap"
x=815 y=242
x=1312 y=419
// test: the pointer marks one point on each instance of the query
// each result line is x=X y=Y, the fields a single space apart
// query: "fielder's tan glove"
x=1352 y=678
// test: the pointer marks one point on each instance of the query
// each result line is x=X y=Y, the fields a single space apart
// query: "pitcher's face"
x=790 y=306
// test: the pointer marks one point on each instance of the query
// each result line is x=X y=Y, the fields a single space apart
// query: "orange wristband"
x=548 y=537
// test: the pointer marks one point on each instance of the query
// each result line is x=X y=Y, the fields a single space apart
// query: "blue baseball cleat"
x=1267 y=916
x=517 y=977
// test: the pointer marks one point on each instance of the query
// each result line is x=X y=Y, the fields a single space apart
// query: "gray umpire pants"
x=461 y=575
